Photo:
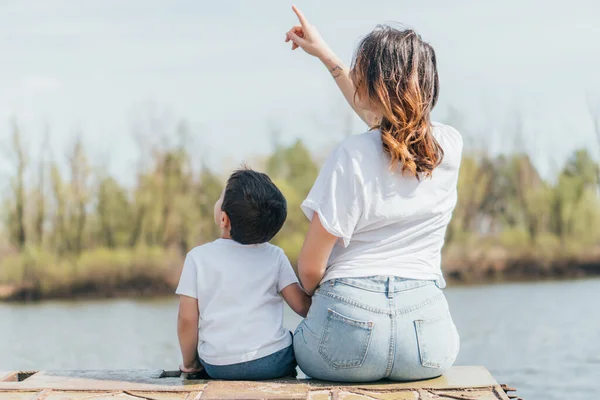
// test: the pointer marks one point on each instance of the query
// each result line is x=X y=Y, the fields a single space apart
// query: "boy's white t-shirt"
x=388 y=223
x=241 y=310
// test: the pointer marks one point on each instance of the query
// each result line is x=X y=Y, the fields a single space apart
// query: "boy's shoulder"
x=203 y=249
x=221 y=246
x=275 y=249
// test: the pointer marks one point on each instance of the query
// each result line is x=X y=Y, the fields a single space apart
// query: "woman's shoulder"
x=368 y=145
x=451 y=142
x=447 y=135
x=372 y=138
x=361 y=144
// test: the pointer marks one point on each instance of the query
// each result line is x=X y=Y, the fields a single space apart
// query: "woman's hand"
x=307 y=37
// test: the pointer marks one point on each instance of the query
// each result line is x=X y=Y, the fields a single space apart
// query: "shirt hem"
x=251 y=356
x=288 y=284
x=188 y=294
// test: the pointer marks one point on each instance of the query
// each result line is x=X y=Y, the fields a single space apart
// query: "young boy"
x=230 y=311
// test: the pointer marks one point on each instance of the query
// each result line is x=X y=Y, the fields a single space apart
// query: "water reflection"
x=542 y=338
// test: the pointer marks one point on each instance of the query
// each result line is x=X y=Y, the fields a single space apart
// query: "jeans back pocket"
x=438 y=341
x=345 y=341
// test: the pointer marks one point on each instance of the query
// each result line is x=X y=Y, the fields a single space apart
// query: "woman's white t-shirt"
x=241 y=310
x=389 y=223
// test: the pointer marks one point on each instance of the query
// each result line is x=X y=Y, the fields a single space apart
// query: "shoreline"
x=161 y=288
x=31 y=294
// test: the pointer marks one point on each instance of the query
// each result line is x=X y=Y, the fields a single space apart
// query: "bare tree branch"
x=594 y=109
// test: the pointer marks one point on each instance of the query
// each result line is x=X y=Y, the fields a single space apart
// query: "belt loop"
x=332 y=282
x=390 y=289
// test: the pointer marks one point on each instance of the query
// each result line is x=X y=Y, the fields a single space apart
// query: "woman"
x=379 y=211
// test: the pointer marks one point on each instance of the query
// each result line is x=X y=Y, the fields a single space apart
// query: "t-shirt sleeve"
x=336 y=196
x=188 y=283
x=287 y=276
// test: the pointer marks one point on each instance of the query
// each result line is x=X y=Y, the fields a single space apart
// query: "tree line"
x=69 y=223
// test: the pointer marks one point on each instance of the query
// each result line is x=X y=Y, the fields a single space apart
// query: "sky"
x=117 y=72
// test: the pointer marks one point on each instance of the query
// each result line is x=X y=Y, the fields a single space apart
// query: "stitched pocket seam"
x=423 y=347
x=340 y=364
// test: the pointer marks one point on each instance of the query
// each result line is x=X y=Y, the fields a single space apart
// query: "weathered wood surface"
x=467 y=383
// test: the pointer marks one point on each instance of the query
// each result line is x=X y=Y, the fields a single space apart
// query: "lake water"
x=543 y=338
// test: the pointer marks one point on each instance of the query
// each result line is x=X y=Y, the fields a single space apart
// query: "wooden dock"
x=466 y=383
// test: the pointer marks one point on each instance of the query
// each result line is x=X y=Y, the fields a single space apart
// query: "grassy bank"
x=35 y=275
x=513 y=257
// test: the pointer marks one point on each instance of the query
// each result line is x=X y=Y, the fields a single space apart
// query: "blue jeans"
x=367 y=329
x=277 y=365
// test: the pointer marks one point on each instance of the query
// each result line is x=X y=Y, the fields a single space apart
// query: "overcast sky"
x=103 y=67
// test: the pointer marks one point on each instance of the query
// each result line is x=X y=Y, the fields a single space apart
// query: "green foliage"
x=506 y=213
x=293 y=164
x=113 y=214
x=294 y=172
x=86 y=229
x=99 y=268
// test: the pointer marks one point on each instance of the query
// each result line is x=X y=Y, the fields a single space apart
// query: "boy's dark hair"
x=256 y=207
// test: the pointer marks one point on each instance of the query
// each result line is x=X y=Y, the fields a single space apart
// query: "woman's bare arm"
x=308 y=38
x=341 y=74
x=314 y=255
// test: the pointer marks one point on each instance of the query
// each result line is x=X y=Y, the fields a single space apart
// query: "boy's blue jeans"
x=277 y=365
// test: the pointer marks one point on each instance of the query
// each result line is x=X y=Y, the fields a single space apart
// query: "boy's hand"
x=191 y=369
x=297 y=299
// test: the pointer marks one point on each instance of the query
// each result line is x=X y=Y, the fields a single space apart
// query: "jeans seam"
x=415 y=307
x=392 y=348
x=378 y=288
x=352 y=302
x=423 y=350
x=363 y=287
x=342 y=364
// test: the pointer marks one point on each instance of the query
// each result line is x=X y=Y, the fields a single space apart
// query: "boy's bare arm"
x=297 y=299
x=187 y=330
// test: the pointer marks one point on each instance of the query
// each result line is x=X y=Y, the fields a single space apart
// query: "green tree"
x=16 y=205
x=114 y=214
x=294 y=171
x=295 y=165
x=577 y=177
x=207 y=193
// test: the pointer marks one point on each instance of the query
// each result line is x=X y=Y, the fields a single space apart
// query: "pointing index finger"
x=301 y=16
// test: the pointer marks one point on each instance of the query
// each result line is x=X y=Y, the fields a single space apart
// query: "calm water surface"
x=543 y=338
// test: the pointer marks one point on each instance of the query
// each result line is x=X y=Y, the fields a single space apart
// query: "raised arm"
x=308 y=38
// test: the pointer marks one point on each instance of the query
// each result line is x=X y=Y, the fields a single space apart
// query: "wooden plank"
x=233 y=390
x=109 y=380
x=457 y=378
x=17 y=395
x=394 y=395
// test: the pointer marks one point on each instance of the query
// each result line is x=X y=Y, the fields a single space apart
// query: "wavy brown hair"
x=396 y=71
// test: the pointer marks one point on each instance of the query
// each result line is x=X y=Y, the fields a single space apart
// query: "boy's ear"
x=225 y=222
